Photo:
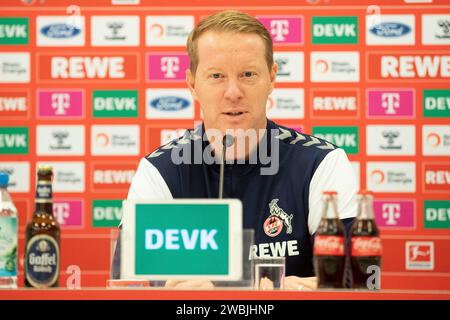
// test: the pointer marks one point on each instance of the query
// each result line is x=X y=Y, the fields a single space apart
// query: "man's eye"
x=248 y=74
x=216 y=76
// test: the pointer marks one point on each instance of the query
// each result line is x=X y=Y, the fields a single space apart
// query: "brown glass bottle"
x=42 y=237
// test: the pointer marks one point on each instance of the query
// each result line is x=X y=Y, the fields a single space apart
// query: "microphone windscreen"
x=228 y=140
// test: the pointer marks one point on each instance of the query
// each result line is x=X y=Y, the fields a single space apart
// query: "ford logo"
x=60 y=31
x=390 y=29
x=170 y=103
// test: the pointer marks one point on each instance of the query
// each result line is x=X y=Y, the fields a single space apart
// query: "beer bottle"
x=42 y=237
x=329 y=249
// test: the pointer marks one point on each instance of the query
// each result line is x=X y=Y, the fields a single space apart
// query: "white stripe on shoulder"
x=148 y=184
x=335 y=173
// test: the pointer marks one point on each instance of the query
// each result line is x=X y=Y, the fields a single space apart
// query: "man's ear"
x=190 y=81
x=273 y=75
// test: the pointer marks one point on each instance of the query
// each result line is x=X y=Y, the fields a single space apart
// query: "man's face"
x=232 y=81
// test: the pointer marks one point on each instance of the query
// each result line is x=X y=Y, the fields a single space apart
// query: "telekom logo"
x=390 y=102
x=61 y=211
x=279 y=29
x=60 y=102
x=391 y=213
x=169 y=66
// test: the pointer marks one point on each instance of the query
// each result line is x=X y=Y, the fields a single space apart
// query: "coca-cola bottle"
x=365 y=249
x=329 y=247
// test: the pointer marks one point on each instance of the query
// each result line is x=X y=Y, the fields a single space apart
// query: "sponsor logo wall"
x=92 y=94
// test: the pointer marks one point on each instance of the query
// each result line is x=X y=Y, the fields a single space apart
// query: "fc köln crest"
x=278 y=217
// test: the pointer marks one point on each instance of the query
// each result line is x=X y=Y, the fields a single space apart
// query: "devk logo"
x=169 y=66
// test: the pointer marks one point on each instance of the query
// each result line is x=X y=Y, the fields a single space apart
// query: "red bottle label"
x=329 y=246
x=366 y=246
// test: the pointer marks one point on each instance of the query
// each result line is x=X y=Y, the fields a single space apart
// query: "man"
x=279 y=174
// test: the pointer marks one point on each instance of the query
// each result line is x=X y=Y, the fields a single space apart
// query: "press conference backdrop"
x=90 y=88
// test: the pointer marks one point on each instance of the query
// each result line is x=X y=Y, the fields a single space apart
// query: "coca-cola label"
x=329 y=246
x=42 y=261
x=366 y=246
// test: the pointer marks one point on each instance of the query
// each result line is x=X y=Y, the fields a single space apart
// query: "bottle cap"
x=4 y=179
x=45 y=167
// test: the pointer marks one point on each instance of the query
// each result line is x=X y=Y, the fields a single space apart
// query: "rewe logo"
x=284 y=30
x=13 y=104
x=418 y=66
x=419 y=255
x=390 y=103
x=279 y=29
x=167 y=67
x=437 y=177
x=394 y=213
x=112 y=176
x=333 y=103
x=62 y=67
x=155 y=239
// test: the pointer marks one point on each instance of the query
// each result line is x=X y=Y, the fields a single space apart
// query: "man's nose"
x=233 y=91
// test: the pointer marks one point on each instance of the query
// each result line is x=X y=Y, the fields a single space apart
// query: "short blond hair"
x=228 y=21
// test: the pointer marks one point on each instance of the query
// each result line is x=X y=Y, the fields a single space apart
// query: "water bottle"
x=8 y=236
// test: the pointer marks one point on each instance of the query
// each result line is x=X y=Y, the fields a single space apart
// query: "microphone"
x=227 y=141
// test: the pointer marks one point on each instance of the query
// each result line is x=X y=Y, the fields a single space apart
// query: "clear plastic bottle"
x=8 y=236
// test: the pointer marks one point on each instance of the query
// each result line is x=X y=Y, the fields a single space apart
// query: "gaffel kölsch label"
x=42 y=261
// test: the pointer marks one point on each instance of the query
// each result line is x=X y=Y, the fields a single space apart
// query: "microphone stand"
x=227 y=141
